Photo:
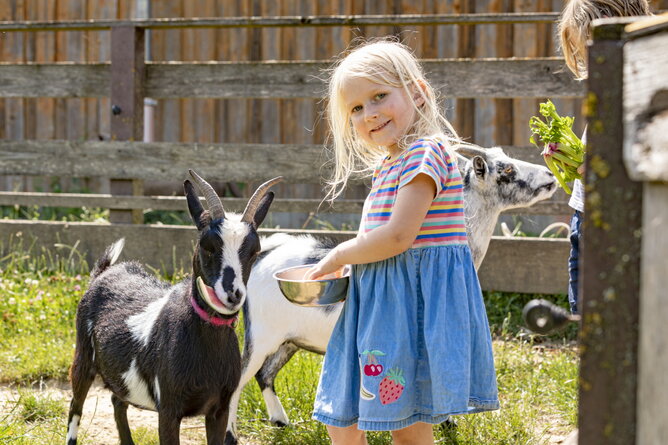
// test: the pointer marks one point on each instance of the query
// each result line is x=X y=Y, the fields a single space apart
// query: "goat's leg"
x=265 y=378
x=121 y=418
x=252 y=359
x=82 y=375
x=168 y=428
x=216 y=424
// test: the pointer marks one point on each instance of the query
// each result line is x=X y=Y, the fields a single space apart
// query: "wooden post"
x=127 y=107
x=646 y=156
x=610 y=258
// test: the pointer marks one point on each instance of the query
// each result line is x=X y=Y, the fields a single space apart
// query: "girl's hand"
x=327 y=265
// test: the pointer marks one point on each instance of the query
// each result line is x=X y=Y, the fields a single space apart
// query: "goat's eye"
x=508 y=170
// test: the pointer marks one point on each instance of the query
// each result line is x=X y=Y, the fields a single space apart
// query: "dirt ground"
x=97 y=422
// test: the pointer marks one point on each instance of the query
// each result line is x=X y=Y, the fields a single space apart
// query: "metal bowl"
x=329 y=289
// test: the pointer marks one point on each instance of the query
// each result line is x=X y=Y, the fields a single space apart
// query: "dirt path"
x=97 y=422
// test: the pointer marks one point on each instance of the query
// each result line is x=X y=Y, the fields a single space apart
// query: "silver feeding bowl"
x=329 y=289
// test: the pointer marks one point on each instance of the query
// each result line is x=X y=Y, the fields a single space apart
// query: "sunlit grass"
x=537 y=377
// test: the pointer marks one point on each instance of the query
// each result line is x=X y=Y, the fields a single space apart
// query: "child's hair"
x=386 y=62
x=575 y=26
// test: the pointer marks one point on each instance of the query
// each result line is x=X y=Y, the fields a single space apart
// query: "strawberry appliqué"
x=392 y=386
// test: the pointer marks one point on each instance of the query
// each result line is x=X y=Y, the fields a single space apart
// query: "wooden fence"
x=538 y=265
x=486 y=121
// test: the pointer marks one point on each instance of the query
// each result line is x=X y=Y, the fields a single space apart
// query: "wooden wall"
x=483 y=121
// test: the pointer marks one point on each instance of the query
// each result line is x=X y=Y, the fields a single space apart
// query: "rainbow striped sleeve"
x=426 y=157
x=444 y=222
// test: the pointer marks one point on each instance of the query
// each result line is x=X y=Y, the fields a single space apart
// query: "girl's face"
x=380 y=114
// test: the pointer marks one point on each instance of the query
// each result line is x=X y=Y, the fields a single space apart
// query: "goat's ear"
x=194 y=205
x=479 y=166
x=262 y=209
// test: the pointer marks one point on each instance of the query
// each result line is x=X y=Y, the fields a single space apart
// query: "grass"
x=537 y=376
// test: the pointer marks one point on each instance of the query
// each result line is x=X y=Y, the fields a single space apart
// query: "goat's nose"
x=236 y=296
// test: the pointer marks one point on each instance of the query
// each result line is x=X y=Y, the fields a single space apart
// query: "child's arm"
x=413 y=202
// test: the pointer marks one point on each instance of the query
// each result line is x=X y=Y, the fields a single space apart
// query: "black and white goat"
x=170 y=348
x=275 y=329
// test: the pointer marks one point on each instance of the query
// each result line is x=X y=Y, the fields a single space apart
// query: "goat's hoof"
x=449 y=424
x=230 y=439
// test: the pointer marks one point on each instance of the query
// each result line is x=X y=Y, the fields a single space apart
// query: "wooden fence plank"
x=257 y=21
x=127 y=160
x=503 y=108
x=454 y=78
x=166 y=46
x=159 y=160
x=170 y=247
x=270 y=44
x=54 y=80
x=534 y=265
x=302 y=205
x=464 y=122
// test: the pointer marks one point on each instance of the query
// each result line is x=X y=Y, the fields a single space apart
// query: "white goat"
x=275 y=328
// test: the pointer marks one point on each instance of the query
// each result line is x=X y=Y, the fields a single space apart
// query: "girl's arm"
x=413 y=202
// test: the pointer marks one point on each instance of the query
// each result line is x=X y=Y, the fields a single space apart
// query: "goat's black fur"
x=150 y=347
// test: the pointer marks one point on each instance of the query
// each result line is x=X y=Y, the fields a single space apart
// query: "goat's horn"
x=254 y=202
x=210 y=195
x=470 y=150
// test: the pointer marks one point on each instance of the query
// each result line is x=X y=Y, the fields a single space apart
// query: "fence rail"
x=285 y=21
x=511 y=265
x=454 y=78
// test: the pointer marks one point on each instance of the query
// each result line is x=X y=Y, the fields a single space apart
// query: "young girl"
x=412 y=345
x=574 y=31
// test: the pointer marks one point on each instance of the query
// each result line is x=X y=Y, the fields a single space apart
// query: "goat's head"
x=502 y=180
x=228 y=244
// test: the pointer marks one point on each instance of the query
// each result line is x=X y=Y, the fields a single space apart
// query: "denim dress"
x=412 y=343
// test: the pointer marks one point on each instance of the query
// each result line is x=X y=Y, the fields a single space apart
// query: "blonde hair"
x=385 y=62
x=575 y=26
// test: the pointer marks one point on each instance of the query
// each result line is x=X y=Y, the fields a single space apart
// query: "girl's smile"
x=380 y=127
x=380 y=114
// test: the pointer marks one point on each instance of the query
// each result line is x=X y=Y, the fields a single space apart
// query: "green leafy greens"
x=563 y=151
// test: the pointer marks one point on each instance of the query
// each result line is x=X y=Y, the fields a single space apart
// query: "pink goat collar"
x=216 y=321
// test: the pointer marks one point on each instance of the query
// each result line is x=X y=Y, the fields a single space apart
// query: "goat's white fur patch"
x=234 y=232
x=138 y=393
x=141 y=324
x=115 y=250
x=274 y=407
x=73 y=428
x=89 y=326
x=156 y=390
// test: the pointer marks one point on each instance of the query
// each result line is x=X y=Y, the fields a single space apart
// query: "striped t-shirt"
x=444 y=223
